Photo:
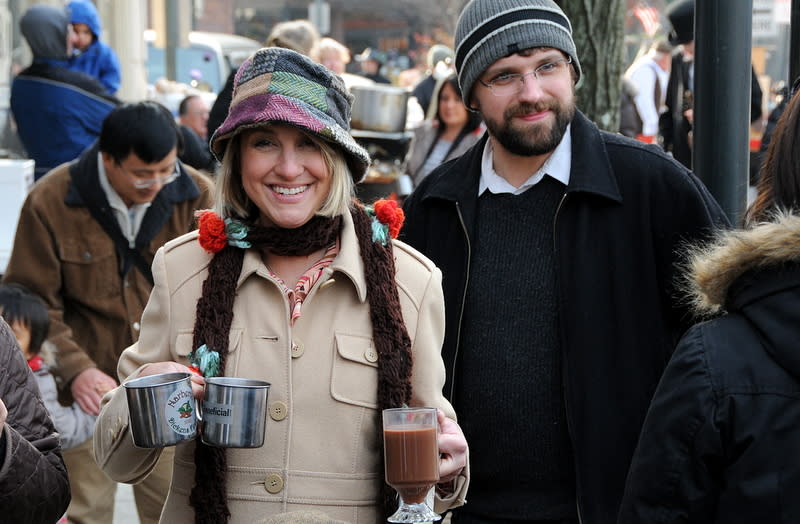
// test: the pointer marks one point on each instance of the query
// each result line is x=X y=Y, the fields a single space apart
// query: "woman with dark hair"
x=447 y=133
x=720 y=440
x=779 y=179
x=291 y=281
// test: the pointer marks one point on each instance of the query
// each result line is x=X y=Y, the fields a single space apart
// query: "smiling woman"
x=284 y=174
x=447 y=134
x=292 y=281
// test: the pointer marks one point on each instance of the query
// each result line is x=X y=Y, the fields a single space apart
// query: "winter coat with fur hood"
x=722 y=436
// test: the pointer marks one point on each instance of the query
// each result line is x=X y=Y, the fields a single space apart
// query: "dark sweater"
x=520 y=457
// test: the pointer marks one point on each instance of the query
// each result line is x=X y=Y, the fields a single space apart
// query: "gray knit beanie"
x=489 y=30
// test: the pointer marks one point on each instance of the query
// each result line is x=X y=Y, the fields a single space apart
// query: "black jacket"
x=33 y=480
x=219 y=110
x=674 y=128
x=195 y=151
x=619 y=227
x=722 y=438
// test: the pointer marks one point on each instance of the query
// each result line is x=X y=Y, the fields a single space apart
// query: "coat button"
x=136 y=326
x=86 y=256
x=273 y=483
x=297 y=349
x=278 y=410
x=371 y=354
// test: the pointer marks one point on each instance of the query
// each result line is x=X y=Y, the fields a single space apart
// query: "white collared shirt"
x=556 y=166
x=129 y=218
x=644 y=73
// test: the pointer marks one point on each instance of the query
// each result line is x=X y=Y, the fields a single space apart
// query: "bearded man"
x=559 y=246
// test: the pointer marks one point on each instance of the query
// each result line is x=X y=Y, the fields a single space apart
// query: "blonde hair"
x=328 y=46
x=232 y=200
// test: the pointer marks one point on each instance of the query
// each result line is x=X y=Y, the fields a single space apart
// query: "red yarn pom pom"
x=390 y=214
x=212 y=231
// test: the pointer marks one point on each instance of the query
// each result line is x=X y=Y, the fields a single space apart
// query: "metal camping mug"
x=163 y=411
x=234 y=412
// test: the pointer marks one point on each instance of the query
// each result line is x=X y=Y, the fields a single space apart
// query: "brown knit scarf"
x=215 y=314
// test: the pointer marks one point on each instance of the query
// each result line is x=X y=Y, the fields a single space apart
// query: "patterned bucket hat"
x=281 y=85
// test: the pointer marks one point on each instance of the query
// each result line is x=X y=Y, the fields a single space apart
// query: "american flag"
x=649 y=18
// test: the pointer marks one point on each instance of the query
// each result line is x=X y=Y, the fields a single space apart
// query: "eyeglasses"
x=506 y=84
x=140 y=182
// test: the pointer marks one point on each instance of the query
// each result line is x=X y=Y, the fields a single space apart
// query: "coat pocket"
x=354 y=378
x=183 y=346
x=89 y=269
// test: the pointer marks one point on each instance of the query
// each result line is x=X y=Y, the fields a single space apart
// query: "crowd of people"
x=657 y=100
x=639 y=370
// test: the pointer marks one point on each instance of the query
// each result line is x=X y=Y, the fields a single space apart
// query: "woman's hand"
x=452 y=448
x=156 y=368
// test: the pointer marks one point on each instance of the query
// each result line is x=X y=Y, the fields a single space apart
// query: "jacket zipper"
x=463 y=302
x=565 y=374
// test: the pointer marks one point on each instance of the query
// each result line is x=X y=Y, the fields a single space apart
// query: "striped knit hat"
x=281 y=85
x=489 y=30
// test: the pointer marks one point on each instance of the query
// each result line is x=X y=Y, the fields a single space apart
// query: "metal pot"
x=379 y=108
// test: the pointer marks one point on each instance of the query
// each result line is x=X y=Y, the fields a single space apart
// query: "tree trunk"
x=598 y=31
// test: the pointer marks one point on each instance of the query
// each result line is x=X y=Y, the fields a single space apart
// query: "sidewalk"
x=125 y=507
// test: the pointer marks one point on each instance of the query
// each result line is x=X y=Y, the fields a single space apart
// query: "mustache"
x=526 y=108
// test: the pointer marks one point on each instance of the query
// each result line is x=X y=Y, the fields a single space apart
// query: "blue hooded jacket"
x=98 y=60
x=59 y=112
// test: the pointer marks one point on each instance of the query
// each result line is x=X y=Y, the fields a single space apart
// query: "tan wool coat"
x=321 y=449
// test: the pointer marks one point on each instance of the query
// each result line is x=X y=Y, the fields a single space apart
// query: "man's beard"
x=534 y=139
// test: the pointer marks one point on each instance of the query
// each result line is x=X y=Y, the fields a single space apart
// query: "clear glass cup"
x=411 y=456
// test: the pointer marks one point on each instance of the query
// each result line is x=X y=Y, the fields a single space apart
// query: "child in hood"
x=92 y=56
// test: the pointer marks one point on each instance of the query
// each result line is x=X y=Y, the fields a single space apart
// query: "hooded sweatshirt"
x=45 y=29
x=98 y=60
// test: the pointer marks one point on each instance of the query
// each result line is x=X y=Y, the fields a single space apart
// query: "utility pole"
x=172 y=32
x=319 y=13
x=722 y=81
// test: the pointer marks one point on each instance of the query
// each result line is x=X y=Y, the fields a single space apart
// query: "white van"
x=203 y=66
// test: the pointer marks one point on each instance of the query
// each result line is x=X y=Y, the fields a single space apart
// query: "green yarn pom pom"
x=206 y=360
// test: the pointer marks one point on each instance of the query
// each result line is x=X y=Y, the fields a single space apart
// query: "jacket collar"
x=85 y=187
x=85 y=191
x=348 y=262
x=591 y=169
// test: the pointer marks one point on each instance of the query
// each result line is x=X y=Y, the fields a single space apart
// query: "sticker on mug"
x=217 y=413
x=180 y=412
